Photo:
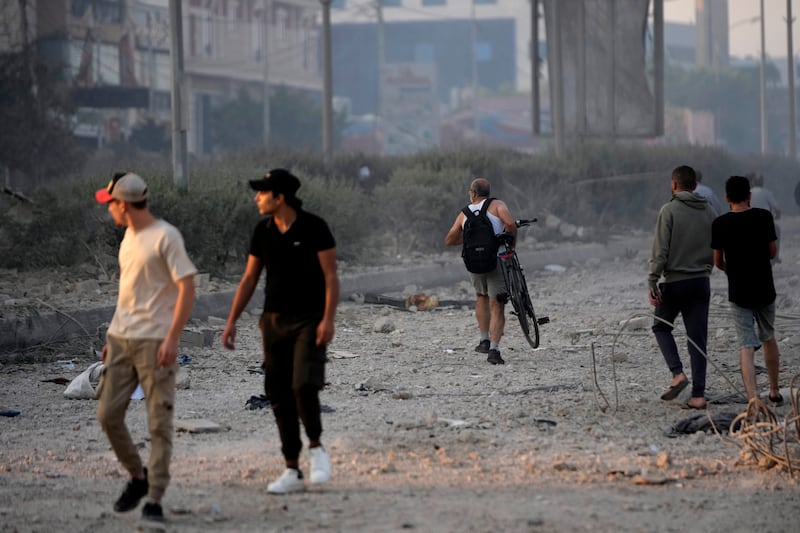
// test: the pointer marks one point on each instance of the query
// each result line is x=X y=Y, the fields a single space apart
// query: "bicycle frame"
x=517 y=287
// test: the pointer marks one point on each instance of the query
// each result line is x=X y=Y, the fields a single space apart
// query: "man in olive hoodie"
x=682 y=255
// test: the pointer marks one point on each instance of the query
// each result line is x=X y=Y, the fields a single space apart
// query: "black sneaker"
x=153 y=513
x=135 y=490
x=494 y=357
x=483 y=346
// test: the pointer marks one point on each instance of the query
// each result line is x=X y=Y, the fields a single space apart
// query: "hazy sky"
x=745 y=33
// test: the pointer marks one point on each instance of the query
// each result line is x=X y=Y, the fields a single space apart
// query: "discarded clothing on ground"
x=257 y=402
x=702 y=422
x=718 y=399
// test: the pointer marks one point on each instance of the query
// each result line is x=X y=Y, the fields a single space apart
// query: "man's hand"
x=229 y=336
x=324 y=332
x=654 y=295
x=167 y=352
x=105 y=352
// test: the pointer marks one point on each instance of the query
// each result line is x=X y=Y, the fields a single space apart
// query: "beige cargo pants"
x=130 y=362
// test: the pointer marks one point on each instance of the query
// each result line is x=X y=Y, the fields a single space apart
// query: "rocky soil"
x=425 y=435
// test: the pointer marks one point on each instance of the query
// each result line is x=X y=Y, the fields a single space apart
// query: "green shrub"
x=407 y=205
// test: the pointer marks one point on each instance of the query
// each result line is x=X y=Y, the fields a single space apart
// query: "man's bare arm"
x=456 y=233
x=327 y=261
x=244 y=292
x=719 y=259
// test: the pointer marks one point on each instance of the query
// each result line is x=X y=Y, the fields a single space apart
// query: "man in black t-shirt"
x=298 y=252
x=744 y=242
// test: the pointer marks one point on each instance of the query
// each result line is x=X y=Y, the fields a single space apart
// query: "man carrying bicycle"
x=489 y=286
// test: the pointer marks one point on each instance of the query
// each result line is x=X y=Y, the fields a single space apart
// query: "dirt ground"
x=425 y=435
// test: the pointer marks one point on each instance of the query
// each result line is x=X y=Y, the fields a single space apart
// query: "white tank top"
x=497 y=224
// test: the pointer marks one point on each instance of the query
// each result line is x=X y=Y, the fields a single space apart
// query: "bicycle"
x=517 y=287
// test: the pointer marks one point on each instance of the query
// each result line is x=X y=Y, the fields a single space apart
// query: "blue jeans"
x=690 y=298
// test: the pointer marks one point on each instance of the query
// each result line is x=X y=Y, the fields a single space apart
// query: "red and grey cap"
x=127 y=187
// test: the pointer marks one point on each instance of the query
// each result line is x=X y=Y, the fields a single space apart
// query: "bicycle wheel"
x=531 y=315
x=518 y=293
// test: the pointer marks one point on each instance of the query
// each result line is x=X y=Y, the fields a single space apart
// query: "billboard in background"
x=409 y=108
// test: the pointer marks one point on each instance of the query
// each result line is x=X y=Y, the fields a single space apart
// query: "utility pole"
x=535 y=126
x=265 y=58
x=557 y=85
x=381 y=61
x=327 y=98
x=763 y=85
x=180 y=156
x=790 y=76
x=26 y=47
x=151 y=66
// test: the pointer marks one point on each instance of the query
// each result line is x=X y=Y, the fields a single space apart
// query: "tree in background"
x=36 y=138
x=732 y=94
x=151 y=136
x=295 y=122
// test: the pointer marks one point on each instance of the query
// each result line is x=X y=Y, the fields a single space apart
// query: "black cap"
x=279 y=181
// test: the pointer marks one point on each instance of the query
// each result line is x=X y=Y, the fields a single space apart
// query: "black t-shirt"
x=744 y=237
x=295 y=282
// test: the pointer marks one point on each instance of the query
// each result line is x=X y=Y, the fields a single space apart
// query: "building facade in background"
x=114 y=56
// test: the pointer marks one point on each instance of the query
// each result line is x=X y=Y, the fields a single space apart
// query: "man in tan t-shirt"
x=156 y=294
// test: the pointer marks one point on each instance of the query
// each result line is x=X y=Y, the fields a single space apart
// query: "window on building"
x=106 y=64
x=282 y=23
x=257 y=40
x=154 y=70
x=207 y=35
x=93 y=63
x=392 y=3
x=434 y=2
x=339 y=4
x=483 y=52
x=423 y=53
x=485 y=1
x=102 y=10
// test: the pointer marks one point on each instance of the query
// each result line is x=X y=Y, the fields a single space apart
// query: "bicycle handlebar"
x=506 y=238
x=522 y=222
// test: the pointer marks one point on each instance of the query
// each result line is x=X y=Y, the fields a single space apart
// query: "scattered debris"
x=257 y=402
x=58 y=381
x=702 y=422
x=83 y=386
x=419 y=302
x=198 y=425
x=341 y=354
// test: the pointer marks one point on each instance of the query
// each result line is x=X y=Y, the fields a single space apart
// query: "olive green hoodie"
x=682 y=243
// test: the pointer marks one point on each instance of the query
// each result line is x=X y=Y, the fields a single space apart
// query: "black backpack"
x=480 y=246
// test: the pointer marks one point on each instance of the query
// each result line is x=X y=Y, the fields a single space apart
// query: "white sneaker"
x=290 y=481
x=320 y=465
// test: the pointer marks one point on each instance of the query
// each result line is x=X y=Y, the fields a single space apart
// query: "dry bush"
x=406 y=207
